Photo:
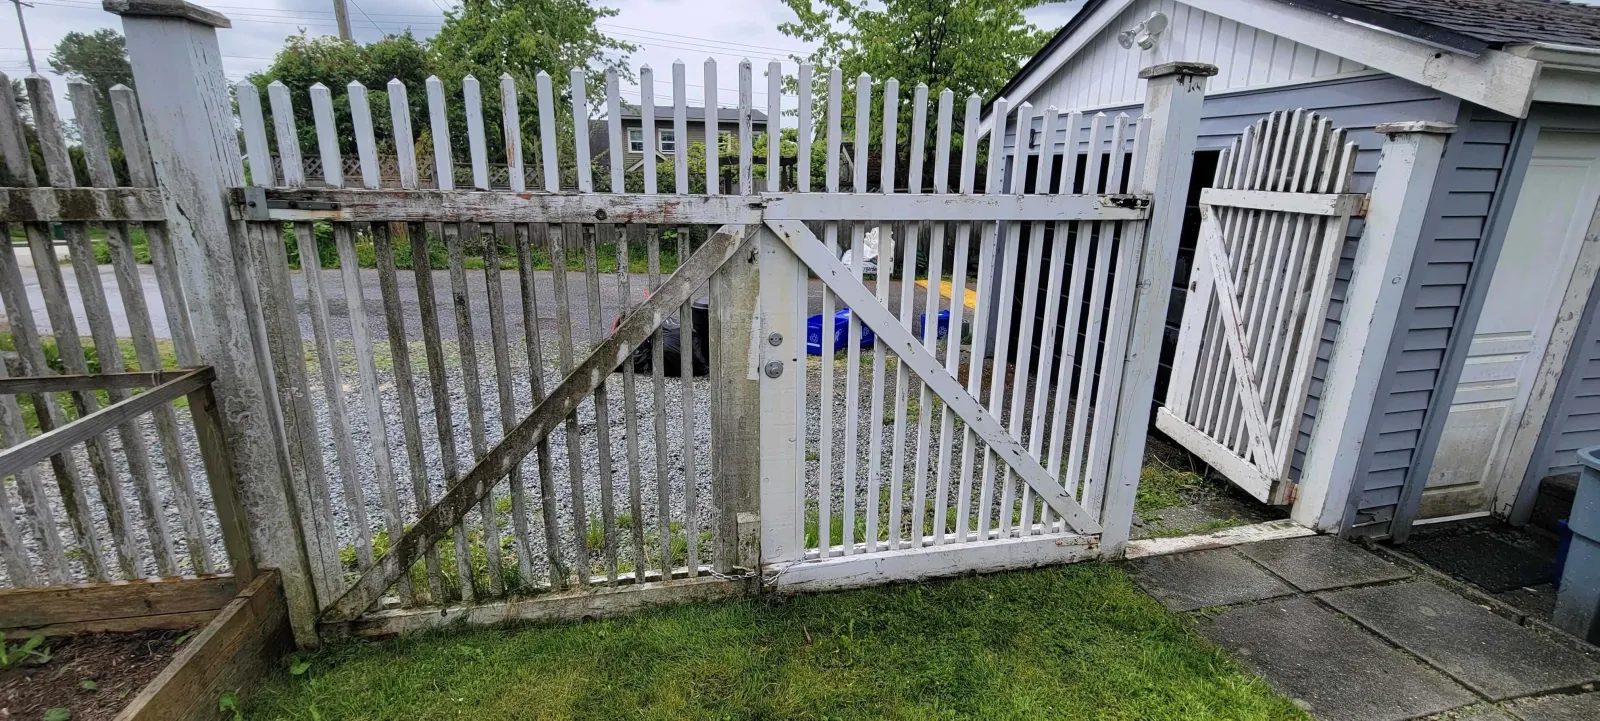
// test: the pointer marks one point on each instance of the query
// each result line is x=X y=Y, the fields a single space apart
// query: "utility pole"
x=28 y=46
x=341 y=15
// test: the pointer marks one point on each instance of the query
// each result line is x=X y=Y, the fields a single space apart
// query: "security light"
x=1145 y=33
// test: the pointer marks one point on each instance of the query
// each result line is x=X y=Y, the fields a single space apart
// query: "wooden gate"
x=1040 y=476
x=1273 y=226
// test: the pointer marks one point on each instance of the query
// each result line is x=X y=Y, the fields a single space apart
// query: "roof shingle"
x=1501 y=22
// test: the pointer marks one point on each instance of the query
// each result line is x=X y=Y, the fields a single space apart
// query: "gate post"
x=735 y=406
x=1399 y=204
x=183 y=93
x=1174 y=94
x=782 y=359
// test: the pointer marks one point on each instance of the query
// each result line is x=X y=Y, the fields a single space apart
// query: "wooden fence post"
x=735 y=407
x=1174 y=94
x=782 y=360
x=194 y=145
x=1399 y=204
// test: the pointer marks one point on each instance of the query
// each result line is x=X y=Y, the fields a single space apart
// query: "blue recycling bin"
x=1578 y=600
x=841 y=333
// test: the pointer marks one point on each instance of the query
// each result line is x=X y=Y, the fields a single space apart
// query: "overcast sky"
x=664 y=30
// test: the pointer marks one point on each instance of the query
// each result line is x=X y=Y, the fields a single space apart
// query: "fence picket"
x=891 y=106
x=930 y=311
x=1117 y=328
x=958 y=307
x=64 y=327
x=559 y=237
x=504 y=235
x=366 y=142
x=987 y=252
x=534 y=345
x=477 y=143
x=86 y=104
x=1030 y=303
x=941 y=183
x=852 y=387
x=831 y=238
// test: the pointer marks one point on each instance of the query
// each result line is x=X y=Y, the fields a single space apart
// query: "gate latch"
x=774 y=369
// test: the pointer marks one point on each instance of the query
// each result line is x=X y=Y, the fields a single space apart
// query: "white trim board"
x=1501 y=81
x=1236 y=536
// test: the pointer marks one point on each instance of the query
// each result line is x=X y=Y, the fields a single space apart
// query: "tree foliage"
x=99 y=59
x=966 y=46
x=482 y=38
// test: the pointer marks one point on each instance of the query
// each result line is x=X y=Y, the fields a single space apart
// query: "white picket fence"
x=401 y=467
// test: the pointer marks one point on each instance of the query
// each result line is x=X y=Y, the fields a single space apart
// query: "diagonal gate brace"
x=911 y=352
x=521 y=440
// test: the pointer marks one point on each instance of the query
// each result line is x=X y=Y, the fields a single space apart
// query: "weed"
x=32 y=651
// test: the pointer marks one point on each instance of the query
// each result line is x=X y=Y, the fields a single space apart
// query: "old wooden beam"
x=38 y=448
x=24 y=385
x=340 y=204
x=521 y=440
x=64 y=205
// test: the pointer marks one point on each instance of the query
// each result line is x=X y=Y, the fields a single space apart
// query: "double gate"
x=962 y=438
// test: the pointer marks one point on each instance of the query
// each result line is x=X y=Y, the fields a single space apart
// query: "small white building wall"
x=1104 y=74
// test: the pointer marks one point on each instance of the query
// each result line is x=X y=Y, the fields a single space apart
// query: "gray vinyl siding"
x=1575 y=422
x=1357 y=105
x=1418 y=382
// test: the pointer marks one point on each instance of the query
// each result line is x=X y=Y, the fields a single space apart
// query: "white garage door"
x=1521 y=315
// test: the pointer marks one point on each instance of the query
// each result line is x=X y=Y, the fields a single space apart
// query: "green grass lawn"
x=1078 y=642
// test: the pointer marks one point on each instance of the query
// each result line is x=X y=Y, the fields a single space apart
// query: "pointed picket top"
x=354 y=84
x=276 y=84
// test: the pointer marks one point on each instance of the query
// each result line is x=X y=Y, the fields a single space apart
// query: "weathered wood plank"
x=718 y=249
x=574 y=605
x=233 y=653
x=362 y=205
x=444 y=422
x=62 y=205
x=22 y=609
x=916 y=564
x=534 y=346
x=405 y=386
x=44 y=445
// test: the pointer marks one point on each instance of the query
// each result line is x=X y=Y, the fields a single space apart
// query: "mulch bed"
x=119 y=665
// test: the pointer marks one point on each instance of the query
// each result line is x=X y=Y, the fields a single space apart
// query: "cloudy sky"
x=664 y=30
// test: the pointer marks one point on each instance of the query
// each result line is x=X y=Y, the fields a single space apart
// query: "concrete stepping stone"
x=1488 y=653
x=1329 y=666
x=1187 y=581
x=1583 y=707
x=1319 y=563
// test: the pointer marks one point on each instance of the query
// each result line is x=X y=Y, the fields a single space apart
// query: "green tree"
x=305 y=61
x=520 y=38
x=100 y=59
x=967 y=46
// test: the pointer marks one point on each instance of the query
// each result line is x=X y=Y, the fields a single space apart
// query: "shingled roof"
x=1493 y=23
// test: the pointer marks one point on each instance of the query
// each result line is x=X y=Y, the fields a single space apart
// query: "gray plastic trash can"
x=1578 y=601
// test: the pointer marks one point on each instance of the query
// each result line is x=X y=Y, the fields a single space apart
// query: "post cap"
x=1433 y=127
x=167 y=9
x=1203 y=70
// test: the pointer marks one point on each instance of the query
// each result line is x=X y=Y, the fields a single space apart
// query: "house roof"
x=1468 y=27
x=1484 y=23
x=724 y=115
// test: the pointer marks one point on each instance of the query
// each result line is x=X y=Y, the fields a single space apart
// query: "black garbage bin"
x=671 y=335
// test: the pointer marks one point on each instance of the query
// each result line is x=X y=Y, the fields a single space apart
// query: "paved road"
x=609 y=287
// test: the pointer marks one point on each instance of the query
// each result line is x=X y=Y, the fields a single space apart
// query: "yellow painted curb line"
x=969 y=299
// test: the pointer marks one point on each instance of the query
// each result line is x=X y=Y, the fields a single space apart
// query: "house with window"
x=666 y=142
x=1481 y=379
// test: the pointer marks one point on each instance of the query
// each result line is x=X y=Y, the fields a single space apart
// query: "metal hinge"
x=258 y=207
